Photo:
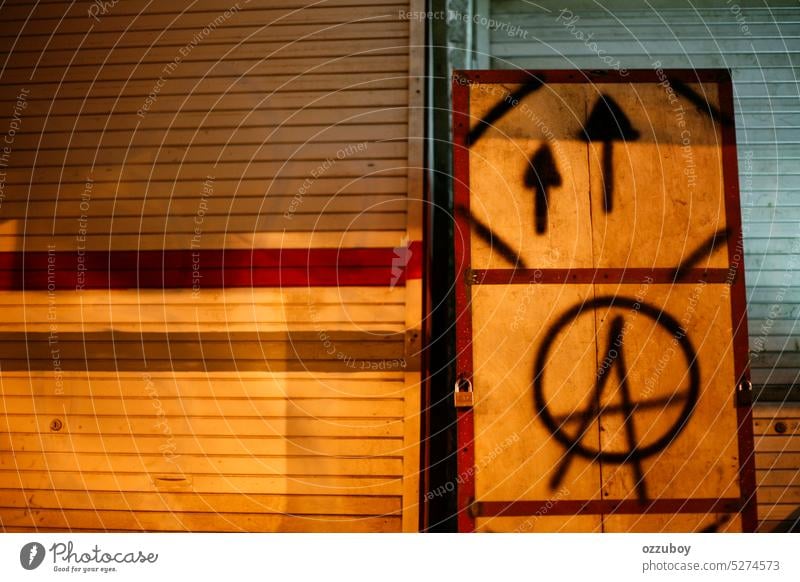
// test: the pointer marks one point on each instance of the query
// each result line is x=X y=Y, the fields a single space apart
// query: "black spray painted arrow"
x=607 y=123
x=542 y=173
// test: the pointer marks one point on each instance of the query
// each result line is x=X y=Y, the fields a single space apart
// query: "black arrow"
x=541 y=174
x=607 y=123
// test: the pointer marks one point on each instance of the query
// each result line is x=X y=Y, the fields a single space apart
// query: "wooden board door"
x=601 y=308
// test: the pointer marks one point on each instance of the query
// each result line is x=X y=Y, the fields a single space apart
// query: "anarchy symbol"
x=614 y=359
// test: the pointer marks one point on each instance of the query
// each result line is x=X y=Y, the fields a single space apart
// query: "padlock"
x=463 y=396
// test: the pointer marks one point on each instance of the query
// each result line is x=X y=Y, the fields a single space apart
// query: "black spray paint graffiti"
x=541 y=175
x=614 y=360
x=501 y=108
x=608 y=123
x=494 y=241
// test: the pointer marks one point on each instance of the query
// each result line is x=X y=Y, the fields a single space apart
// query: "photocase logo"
x=31 y=555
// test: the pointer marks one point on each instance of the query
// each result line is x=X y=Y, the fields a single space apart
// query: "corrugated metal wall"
x=761 y=47
x=214 y=125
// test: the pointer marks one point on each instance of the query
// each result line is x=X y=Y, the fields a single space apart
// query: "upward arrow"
x=540 y=175
x=607 y=123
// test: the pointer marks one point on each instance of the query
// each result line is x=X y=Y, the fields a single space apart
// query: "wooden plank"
x=181 y=502
x=386 y=61
x=210 y=408
x=242 y=384
x=778 y=443
x=187 y=225
x=184 y=426
x=200 y=171
x=680 y=522
x=544 y=524
x=777 y=495
x=171 y=137
x=70 y=193
x=198 y=20
x=180 y=37
x=256 y=153
x=698 y=456
x=200 y=484
x=500 y=160
x=684 y=199
x=104 y=242
x=224 y=465
x=273 y=120
x=210 y=446
x=255 y=49
x=776 y=410
x=777 y=477
x=791 y=426
x=315 y=298
x=194 y=522
x=61 y=208
x=517 y=456
x=212 y=104
x=81 y=8
x=777 y=512
x=780 y=460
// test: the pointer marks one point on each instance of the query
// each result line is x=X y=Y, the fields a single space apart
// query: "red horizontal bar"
x=615 y=275
x=174 y=269
x=605 y=507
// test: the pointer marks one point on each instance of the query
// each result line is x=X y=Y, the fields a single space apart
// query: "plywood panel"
x=677 y=434
x=664 y=178
x=517 y=455
x=535 y=136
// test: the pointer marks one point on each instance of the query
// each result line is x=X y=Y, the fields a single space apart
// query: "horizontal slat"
x=764 y=426
x=232 y=206
x=195 y=171
x=210 y=446
x=244 y=385
x=223 y=502
x=207 y=408
x=271 y=120
x=80 y=8
x=782 y=359
x=777 y=512
x=246 y=154
x=182 y=426
x=226 y=465
x=262 y=85
x=211 y=104
x=386 y=61
x=255 y=49
x=776 y=495
x=180 y=37
x=194 y=522
x=198 y=19
x=351 y=238
x=201 y=484
x=777 y=477
x=778 y=443
x=298 y=138
x=174 y=225
x=71 y=193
